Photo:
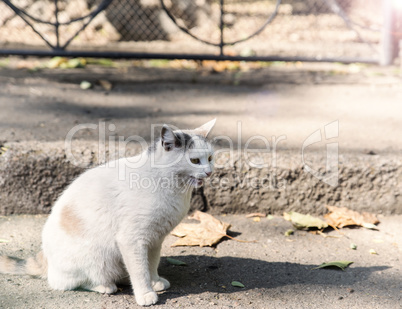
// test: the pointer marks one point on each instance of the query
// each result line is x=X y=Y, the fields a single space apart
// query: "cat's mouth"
x=196 y=181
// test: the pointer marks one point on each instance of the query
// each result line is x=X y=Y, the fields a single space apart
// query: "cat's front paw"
x=160 y=285
x=147 y=299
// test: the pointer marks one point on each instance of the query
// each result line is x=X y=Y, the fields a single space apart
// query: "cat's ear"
x=205 y=128
x=169 y=139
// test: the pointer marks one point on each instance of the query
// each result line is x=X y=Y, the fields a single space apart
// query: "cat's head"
x=190 y=151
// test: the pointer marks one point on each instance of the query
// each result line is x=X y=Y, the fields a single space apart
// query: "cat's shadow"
x=215 y=274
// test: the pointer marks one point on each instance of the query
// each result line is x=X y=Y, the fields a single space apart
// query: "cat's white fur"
x=105 y=229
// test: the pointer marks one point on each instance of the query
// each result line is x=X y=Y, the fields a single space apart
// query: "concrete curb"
x=365 y=183
x=32 y=175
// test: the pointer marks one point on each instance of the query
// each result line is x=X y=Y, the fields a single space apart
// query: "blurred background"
x=338 y=30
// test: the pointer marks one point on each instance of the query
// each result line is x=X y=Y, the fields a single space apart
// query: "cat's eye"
x=195 y=161
x=209 y=158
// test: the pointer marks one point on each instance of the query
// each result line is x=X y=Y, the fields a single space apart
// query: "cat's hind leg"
x=74 y=279
x=103 y=289
x=63 y=280
x=124 y=280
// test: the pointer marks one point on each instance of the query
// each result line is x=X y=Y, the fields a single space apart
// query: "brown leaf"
x=220 y=66
x=256 y=214
x=105 y=84
x=206 y=233
x=301 y=221
x=341 y=216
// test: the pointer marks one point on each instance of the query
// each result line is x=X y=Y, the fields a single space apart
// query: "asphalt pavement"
x=277 y=271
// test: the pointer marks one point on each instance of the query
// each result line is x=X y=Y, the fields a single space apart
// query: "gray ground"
x=277 y=271
x=282 y=100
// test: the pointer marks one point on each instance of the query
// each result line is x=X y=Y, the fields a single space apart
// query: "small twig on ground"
x=325 y=236
x=239 y=240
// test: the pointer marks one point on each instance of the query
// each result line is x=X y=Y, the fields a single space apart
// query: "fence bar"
x=127 y=55
x=221 y=28
x=389 y=45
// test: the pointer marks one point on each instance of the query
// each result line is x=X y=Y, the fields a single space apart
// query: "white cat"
x=108 y=225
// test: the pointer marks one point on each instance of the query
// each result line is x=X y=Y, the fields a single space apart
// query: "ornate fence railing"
x=266 y=30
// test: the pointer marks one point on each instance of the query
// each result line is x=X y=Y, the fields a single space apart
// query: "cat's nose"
x=208 y=173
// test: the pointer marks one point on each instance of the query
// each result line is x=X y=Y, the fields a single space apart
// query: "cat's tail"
x=33 y=266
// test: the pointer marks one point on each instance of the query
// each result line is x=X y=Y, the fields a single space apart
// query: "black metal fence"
x=311 y=30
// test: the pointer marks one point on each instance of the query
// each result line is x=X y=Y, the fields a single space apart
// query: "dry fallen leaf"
x=369 y=226
x=341 y=217
x=105 y=84
x=55 y=62
x=340 y=264
x=301 y=221
x=289 y=232
x=238 y=284
x=85 y=85
x=28 y=64
x=256 y=214
x=220 y=66
x=65 y=63
x=176 y=262
x=206 y=233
